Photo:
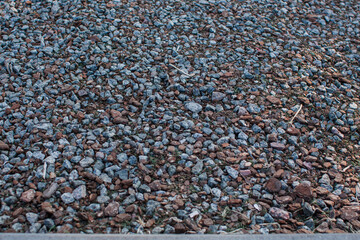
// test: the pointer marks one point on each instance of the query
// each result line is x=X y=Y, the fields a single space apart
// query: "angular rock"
x=273 y=185
x=217 y=96
x=193 y=107
x=122 y=217
x=277 y=146
x=28 y=196
x=51 y=190
x=112 y=209
x=79 y=192
x=4 y=146
x=279 y=213
x=303 y=190
x=273 y=99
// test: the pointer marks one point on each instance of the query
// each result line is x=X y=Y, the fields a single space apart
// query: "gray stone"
x=67 y=198
x=218 y=96
x=79 y=192
x=86 y=162
x=32 y=217
x=50 y=190
x=232 y=172
x=197 y=168
x=193 y=107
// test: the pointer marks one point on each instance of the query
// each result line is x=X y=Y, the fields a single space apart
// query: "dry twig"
x=44 y=173
x=189 y=75
x=297 y=112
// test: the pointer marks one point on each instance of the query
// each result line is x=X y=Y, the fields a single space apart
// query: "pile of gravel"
x=179 y=116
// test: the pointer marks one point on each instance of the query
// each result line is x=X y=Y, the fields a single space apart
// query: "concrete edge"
x=27 y=236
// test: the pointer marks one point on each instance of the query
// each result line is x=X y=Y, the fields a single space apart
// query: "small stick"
x=44 y=173
x=189 y=75
x=297 y=112
x=344 y=170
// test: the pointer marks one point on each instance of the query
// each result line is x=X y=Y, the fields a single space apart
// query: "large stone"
x=123 y=217
x=303 y=190
x=51 y=190
x=232 y=172
x=197 y=168
x=4 y=146
x=67 y=198
x=273 y=99
x=277 y=146
x=46 y=206
x=193 y=107
x=293 y=131
x=112 y=209
x=350 y=212
x=217 y=96
x=28 y=196
x=180 y=228
x=279 y=213
x=79 y=192
x=273 y=185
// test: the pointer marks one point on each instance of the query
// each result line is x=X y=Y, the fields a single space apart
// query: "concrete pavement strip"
x=25 y=236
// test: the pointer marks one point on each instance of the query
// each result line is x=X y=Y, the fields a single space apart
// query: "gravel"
x=179 y=116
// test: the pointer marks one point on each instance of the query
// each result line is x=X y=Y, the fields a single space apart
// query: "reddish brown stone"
x=208 y=222
x=310 y=158
x=112 y=209
x=245 y=173
x=28 y=196
x=150 y=222
x=272 y=137
x=303 y=191
x=4 y=146
x=279 y=213
x=115 y=113
x=171 y=149
x=277 y=146
x=279 y=173
x=179 y=202
x=293 y=131
x=273 y=185
x=273 y=99
x=284 y=199
x=155 y=185
x=322 y=228
x=180 y=228
x=355 y=224
x=123 y=217
x=46 y=206
x=120 y=120
x=350 y=212
x=17 y=212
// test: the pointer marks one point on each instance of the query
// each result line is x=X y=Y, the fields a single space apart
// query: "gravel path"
x=231 y=116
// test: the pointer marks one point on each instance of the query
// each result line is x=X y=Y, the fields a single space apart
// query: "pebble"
x=232 y=172
x=279 y=213
x=197 y=168
x=273 y=185
x=4 y=146
x=193 y=107
x=28 y=195
x=112 y=209
x=67 y=198
x=51 y=190
x=303 y=190
x=79 y=192
x=32 y=217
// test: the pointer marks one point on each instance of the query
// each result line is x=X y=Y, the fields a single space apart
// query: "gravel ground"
x=179 y=116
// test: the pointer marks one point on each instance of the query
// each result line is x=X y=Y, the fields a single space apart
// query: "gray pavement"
x=18 y=236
